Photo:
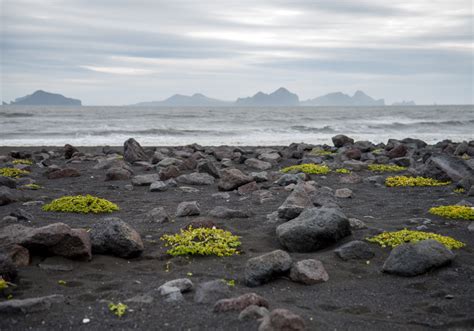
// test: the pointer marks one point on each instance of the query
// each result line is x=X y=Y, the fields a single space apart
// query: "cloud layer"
x=122 y=51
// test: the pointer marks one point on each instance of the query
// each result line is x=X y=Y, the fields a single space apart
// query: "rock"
x=169 y=172
x=353 y=153
x=257 y=164
x=262 y=196
x=188 y=189
x=445 y=167
x=398 y=151
x=296 y=202
x=357 y=224
x=470 y=227
x=57 y=239
x=69 y=151
x=145 y=180
x=282 y=320
x=272 y=158
x=22 y=215
x=221 y=195
x=343 y=193
x=116 y=173
x=239 y=303
x=113 y=236
x=253 y=312
x=8 y=269
x=350 y=179
x=288 y=179
x=223 y=152
x=313 y=229
x=210 y=292
x=19 y=255
x=208 y=167
x=64 y=173
x=259 y=177
x=161 y=186
x=6 y=196
x=232 y=178
x=188 y=208
x=226 y=213
x=355 y=250
x=170 y=161
x=31 y=305
x=377 y=180
x=341 y=140
x=414 y=259
x=56 y=263
x=196 y=178
x=157 y=215
x=171 y=294
x=132 y=151
x=183 y=284
x=9 y=219
x=263 y=268
x=247 y=188
x=308 y=272
x=7 y=181
x=324 y=197
x=355 y=165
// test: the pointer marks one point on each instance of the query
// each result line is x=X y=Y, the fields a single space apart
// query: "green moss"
x=459 y=190
x=32 y=187
x=23 y=161
x=377 y=151
x=393 y=239
x=320 y=152
x=118 y=309
x=13 y=172
x=386 y=168
x=454 y=211
x=81 y=204
x=3 y=284
x=343 y=171
x=308 y=168
x=202 y=241
x=413 y=181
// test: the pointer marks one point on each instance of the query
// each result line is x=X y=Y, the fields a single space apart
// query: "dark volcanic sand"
x=357 y=296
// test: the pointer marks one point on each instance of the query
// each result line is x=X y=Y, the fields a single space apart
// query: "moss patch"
x=32 y=187
x=202 y=241
x=343 y=171
x=454 y=211
x=393 y=239
x=118 y=309
x=320 y=152
x=22 y=161
x=413 y=181
x=81 y=204
x=3 y=284
x=13 y=172
x=308 y=168
x=385 y=168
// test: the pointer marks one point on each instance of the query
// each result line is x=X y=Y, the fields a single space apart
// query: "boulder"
x=414 y=259
x=288 y=179
x=196 y=178
x=226 y=213
x=355 y=250
x=445 y=167
x=263 y=268
x=239 y=303
x=157 y=215
x=272 y=157
x=282 y=320
x=353 y=153
x=8 y=269
x=116 y=173
x=64 y=173
x=208 y=167
x=232 y=178
x=145 y=180
x=132 y=151
x=341 y=140
x=169 y=172
x=313 y=229
x=182 y=284
x=7 y=196
x=398 y=151
x=69 y=151
x=308 y=272
x=257 y=164
x=253 y=312
x=188 y=208
x=113 y=236
x=247 y=188
x=343 y=193
x=211 y=291
x=295 y=203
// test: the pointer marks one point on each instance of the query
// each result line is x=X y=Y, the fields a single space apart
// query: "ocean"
x=208 y=126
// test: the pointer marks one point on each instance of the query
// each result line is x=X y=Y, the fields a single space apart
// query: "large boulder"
x=188 y=208
x=295 y=203
x=313 y=229
x=113 y=236
x=132 y=151
x=69 y=151
x=207 y=166
x=57 y=239
x=414 y=259
x=342 y=140
x=445 y=167
x=232 y=178
x=263 y=268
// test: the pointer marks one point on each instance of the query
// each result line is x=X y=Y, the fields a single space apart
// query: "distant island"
x=42 y=98
x=279 y=98
x=404 y=103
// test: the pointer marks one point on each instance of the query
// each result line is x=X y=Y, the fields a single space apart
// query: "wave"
x=423 y=124
x=309 y=129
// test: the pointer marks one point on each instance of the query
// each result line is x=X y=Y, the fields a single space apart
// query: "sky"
x=118 y=52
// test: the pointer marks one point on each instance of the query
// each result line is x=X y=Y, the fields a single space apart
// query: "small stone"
x=309 y=272
x=263 y=268
x=196 y=178
x=159 y=186
x=157 y=215
x=357 y=224
x=253 y=312
x=355 y=250
x=239 y=303
x=226 y=213
x=282 y=320
x=183 y=284
x=188 y=208
x=145 y=180
x=343 y=193
x=86 y=320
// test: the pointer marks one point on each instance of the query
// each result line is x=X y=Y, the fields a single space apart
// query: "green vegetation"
x=22 y=161
x=343 y=171
x=32 y=187
x=3 y=284
x=377 y=151
x=386 y=168
x=118 y=309
x=13 y=172
x=413 y=181
x=320 y=152
x=202 y=241
x=308 y=168
x=454 y=211
x=396 y=238
x=459 y=190
x=81 y=204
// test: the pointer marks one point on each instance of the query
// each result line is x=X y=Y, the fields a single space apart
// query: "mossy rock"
x=454 y=211
x=82 y=204
x=13 y=172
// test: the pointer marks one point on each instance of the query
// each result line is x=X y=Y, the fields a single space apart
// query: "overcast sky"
x=125 y=51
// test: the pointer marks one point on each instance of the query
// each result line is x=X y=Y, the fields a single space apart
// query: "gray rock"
x=414 y=259
x=157 y=215
x=132 y=151
x=232 y=178
x=207 y=166
x=239 y=303
x=145 y=180
x=259 y=177
x=343 y=193
x=341 y=140
x=253 y=312
x=445 y=167
x=470 y=227
x=7 y=196
x=183 y=284
x=7 y=181
x=357 y=224
x=324 y=197
x=8 y=269
x=282 y=320
x=257 y=164
x=69 y=151
x=159 y=186
x=210 y=292
x=380 y=180
x=169 y=161
x=188 y=208
x=288 y=179
x=263 y=268
x=308 y=272
x=355 y=250
x=171 y=294
x=313 y=229
x=296 y=202
x=113 y=236
x=271 y=157
x=22 y=215
x=196 y=178
x=116 y=173
x=31 y=305
x=226 y=213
